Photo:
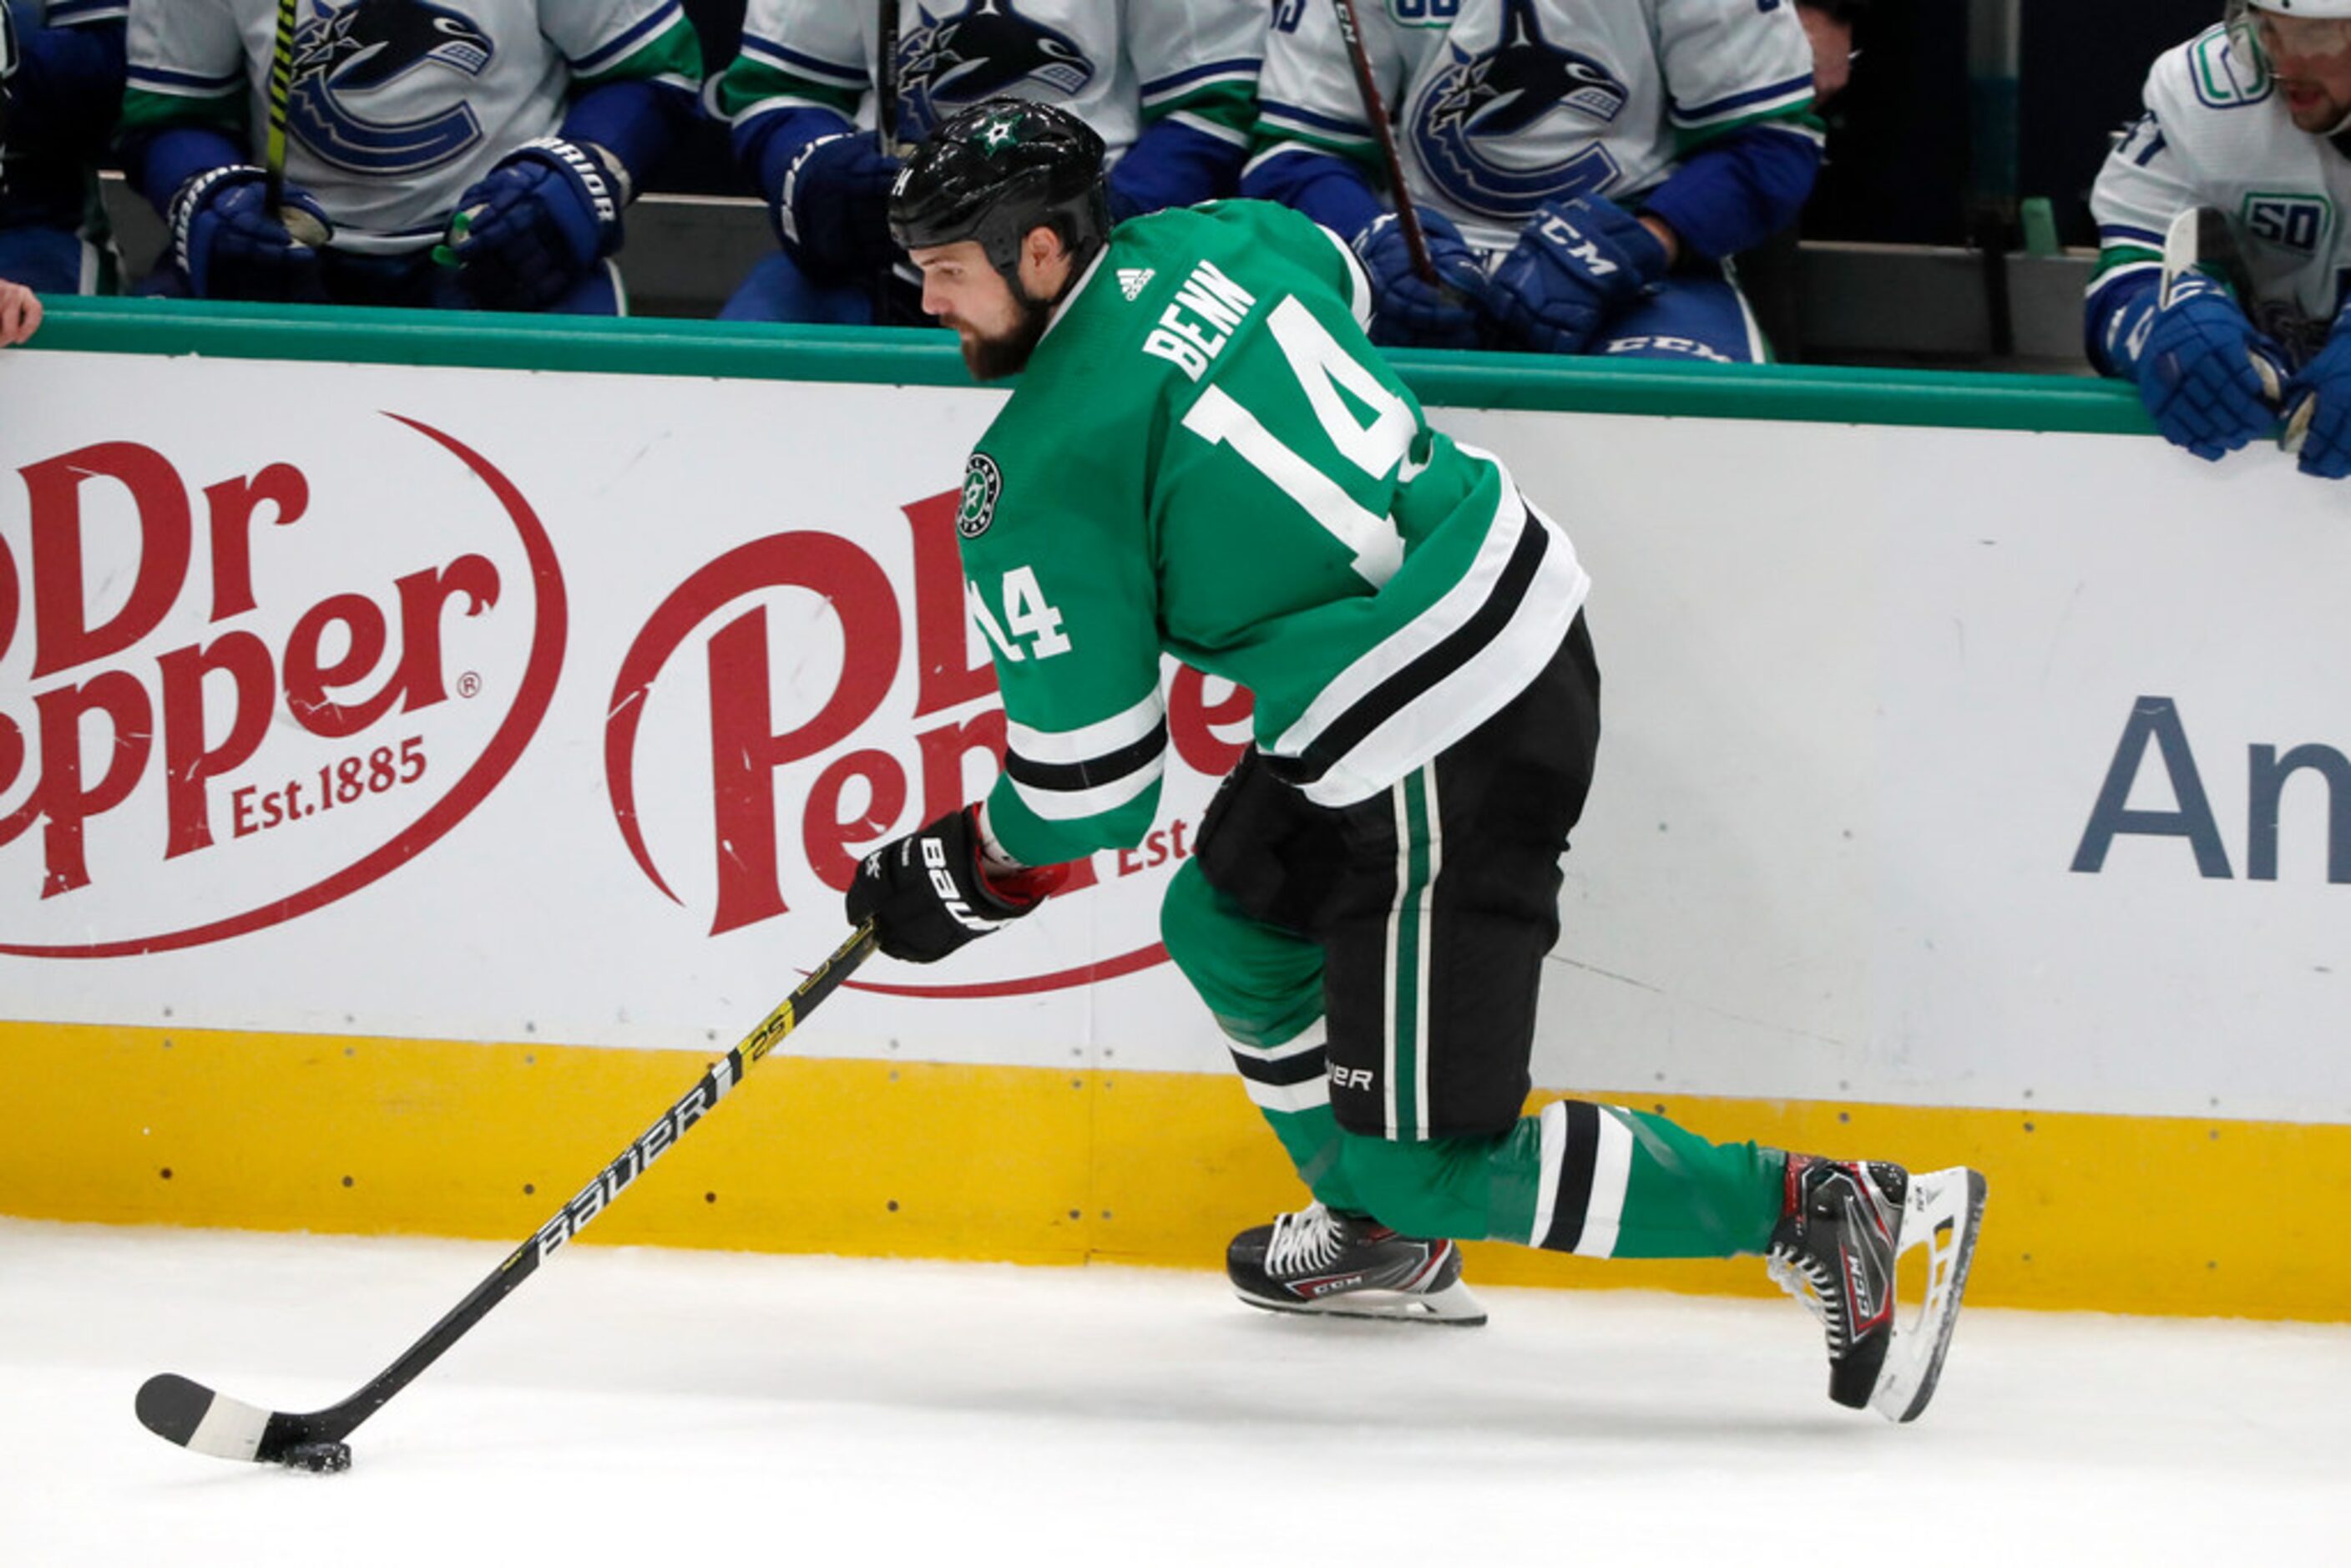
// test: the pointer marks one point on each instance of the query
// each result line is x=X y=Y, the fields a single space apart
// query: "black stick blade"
x=189 y=1414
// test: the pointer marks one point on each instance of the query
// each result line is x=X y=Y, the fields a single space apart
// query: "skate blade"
x=1942 y=1213
x=1453 y=1306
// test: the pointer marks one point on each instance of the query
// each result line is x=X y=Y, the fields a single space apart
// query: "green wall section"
x=661 y=346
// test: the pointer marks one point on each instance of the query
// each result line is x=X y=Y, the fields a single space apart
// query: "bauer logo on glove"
x=928 y=894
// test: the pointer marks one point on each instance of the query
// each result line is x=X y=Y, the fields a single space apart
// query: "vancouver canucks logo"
x=351 y=52
x=948 y=62
x=1477 y=122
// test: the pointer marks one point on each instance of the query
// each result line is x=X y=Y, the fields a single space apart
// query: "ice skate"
x=1351 y=1266
x=1840 y=1239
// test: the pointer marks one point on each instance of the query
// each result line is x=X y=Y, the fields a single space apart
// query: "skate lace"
x=1808 y=1278
x=1304 y=1242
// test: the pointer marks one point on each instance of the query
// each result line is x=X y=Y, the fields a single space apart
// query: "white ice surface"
x=627 y=1406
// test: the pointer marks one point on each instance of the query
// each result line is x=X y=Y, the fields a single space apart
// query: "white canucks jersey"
x=397 y=106
x=1502 y=105
x=1118 y=64
x=2216 y=134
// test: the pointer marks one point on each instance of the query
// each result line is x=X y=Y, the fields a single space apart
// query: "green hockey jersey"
x=1206 y=457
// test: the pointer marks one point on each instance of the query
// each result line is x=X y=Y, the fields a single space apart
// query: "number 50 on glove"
x=927 y=894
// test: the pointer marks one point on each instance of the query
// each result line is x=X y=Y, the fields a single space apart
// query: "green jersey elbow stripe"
x=1447 y=671
x=1065 y=775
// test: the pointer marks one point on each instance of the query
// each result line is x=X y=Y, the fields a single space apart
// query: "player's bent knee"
x=1187 y=918
x=1264 y=985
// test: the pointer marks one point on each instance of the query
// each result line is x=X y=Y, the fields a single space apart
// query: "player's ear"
x=1044 y=262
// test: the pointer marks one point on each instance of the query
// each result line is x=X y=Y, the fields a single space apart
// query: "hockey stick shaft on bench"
x=1367 y=91
x=194 y=1417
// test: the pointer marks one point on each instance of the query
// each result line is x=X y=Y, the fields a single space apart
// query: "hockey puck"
x=318 y=1458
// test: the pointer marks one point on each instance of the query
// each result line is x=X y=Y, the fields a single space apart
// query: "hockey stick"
x=885 y=82
x=885 y=134
x=281 y=87
x=299 y=223
x=1367 y=89
x=189 y=1414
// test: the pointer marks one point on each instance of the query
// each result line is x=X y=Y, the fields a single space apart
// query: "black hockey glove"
x=927 y=894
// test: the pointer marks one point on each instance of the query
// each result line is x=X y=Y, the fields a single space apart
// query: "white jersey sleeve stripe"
x=83 y=13
x=769 y=52
x=1066 y=775
x=1056 y=805
x=1210 y=128
x=1113 y=734
x=1289 y=116
x=1743 y=105
x=1181 y=82
x=629 y=40
x=183 y=84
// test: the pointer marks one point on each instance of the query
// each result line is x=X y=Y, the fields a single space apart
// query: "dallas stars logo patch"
x=982 y=482
x=1001 y=131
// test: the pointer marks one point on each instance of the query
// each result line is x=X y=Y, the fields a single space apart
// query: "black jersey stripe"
x=1575 y=1166
x=1281 y=1073
x=1414 y=681
x=1094 y=772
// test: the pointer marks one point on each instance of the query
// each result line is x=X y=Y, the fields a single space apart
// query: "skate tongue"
x=1942 y=1212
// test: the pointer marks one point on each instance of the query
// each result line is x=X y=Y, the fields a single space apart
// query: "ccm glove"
x=2209 y=379
x=1578 y=265
x=834 y=207
x=927 y=894
x=2319 y=409
x=232 y=246
x=527 y=231
x=1409 y=311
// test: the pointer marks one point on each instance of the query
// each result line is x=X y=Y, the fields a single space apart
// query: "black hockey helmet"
x=996 y=171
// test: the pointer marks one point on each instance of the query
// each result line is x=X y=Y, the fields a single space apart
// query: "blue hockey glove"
x=2318 y=410
x=927 y=894
x=529 y=230
x=1407 y=310
x=232 y=247
x=834 y=206
x=1578 y=264
x=2211 y=380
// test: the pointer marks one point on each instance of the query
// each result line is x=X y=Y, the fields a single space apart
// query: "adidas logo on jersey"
x=1133 y=280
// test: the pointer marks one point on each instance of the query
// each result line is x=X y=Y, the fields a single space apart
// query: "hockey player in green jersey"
x=1204 y=458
